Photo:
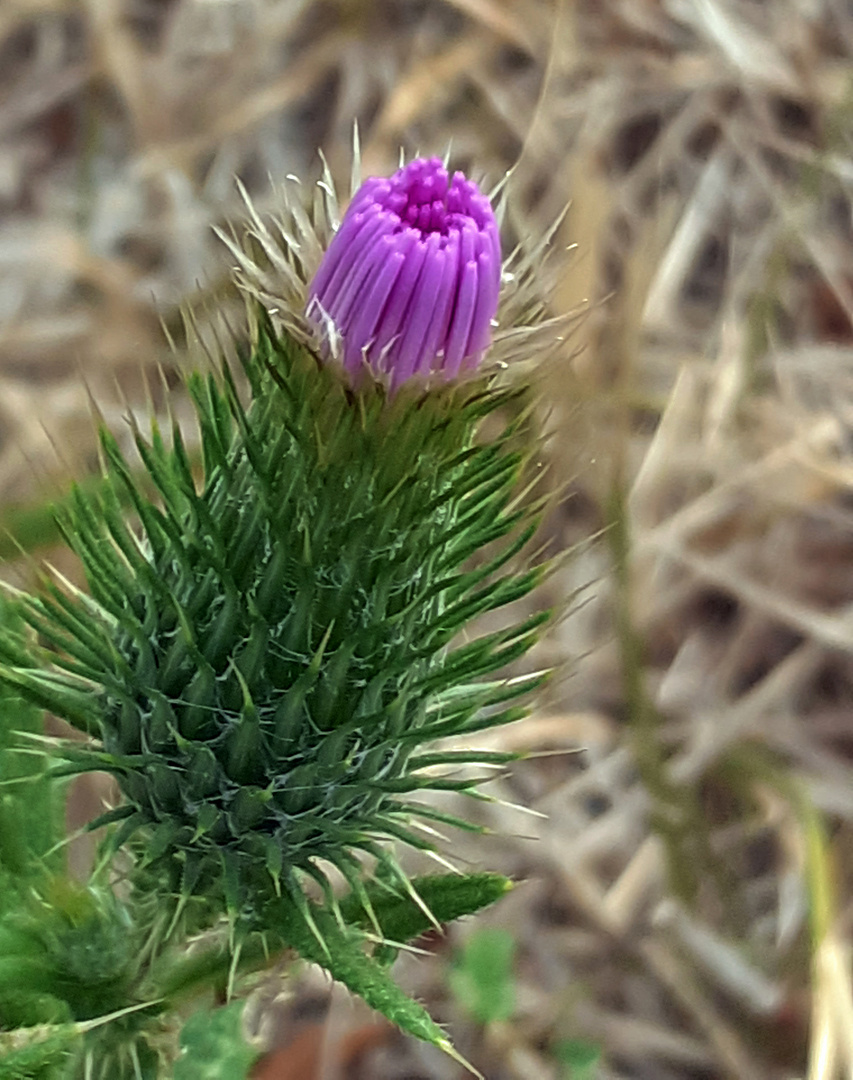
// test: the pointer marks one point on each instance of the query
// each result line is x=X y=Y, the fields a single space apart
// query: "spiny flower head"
x=263 y=659
x=410 y=281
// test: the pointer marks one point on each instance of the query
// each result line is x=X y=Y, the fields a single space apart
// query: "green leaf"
x=482 y=978
x=343 y=957
x=579 y=1058
x=447 y=896
x=213 y=1046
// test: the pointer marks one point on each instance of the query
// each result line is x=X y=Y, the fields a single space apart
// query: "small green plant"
x=482 y=977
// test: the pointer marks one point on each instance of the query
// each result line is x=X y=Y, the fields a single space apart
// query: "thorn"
x=446 y=863
x=403 y=946
x=530 y=755
x=418 y=899
x=232 y=971
x=447 y=1046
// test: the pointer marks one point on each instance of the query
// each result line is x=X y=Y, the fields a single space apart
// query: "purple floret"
x=410 y=281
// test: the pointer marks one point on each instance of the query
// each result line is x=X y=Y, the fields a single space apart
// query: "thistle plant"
x=279 y=636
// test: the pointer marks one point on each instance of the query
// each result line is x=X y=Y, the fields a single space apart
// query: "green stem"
x=676 y=812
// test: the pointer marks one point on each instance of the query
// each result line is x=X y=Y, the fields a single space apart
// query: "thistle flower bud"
x=410 y=281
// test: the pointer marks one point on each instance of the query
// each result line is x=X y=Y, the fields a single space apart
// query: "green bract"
x=267 y=649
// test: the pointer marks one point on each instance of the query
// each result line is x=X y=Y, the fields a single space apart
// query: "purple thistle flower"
x=410 y=280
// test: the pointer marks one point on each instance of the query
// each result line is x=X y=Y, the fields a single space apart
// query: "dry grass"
x=688 y=903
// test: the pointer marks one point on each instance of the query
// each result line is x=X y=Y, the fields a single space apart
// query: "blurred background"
x=685 y=909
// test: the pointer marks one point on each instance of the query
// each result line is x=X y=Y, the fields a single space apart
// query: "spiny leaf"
x=346 y=962
x=448 y=896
